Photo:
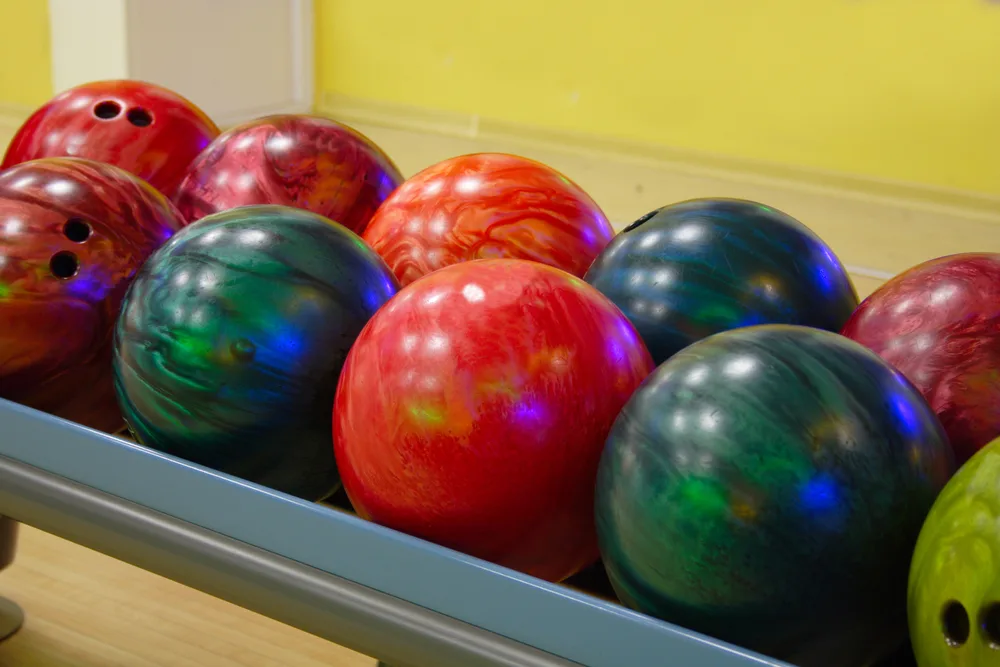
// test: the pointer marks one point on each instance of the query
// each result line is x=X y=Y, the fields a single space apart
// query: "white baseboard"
x=474 y=126
x=877 y=228
x=12 y=116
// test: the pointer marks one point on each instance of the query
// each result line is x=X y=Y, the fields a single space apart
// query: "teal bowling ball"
x=692 y=269
x=232 y=337
x=766 y=486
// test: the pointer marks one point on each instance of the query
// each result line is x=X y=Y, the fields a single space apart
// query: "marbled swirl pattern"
x=766 y=486
x=939 y=323
x=232 y=338
x=689 y=270
x=307 y=162
x=73 y=234
x=487 y=206
x=106 y=121
x=473 y=409
x=955 y=573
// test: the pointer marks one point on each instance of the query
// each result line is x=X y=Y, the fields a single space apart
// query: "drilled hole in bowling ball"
x=139 y=117
x=107 y=110
x=989 y=622
x=640 y=221
x=77 y=230
x=64 y=265
x=955 y=623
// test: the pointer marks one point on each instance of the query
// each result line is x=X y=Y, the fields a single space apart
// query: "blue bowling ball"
x=689 y=270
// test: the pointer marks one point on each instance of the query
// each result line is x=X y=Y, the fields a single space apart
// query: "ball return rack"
x=399 y=599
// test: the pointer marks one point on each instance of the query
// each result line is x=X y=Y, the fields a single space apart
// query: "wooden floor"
x=86 y=610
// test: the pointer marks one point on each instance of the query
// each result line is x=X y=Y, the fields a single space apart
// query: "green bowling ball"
x=231 y=340
x=954 y=589
x=766 y=486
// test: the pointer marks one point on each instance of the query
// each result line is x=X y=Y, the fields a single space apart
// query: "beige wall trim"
x=352 y=109
x=877 y=229
x=14 y=113
x=12 y=116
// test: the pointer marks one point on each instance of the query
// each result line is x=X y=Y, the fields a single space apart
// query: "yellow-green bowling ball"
x=954 y=588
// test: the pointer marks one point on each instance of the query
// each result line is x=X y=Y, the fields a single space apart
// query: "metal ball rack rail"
x=399 y=599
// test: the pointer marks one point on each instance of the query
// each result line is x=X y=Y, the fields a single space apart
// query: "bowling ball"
x=142 y=128
x=939 y=323
x=232 y=337
x=766 y=486
x=303 y=161
x=487 y=206
x=699 y=267
x=73 y=234
x=473 y=409
x=954 y=593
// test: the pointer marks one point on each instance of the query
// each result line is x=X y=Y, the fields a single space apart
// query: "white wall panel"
x=236 y=59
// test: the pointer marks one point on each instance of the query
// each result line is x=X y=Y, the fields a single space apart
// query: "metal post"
x=11 y=615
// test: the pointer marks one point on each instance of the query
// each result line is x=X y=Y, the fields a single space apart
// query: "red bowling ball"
x=488 y=206
x=145 y=129
x=73 y=234
x=473 y=409
x=939 y=324
x=302 y=161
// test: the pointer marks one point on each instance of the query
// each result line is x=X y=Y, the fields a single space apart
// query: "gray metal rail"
x=402 y=600
x=320 y=603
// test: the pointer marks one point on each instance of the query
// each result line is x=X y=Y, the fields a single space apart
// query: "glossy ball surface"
x=939 y=323
x=696 y=268
x=307 y=162
x=487 y=206
x=954 y=594
x=145 y=129
x=233 y=336
x=766 y=486
x=73 y=234
x=473 y=409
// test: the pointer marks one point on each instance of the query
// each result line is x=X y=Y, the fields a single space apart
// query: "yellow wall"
x=25 y=64
x=898 y=89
